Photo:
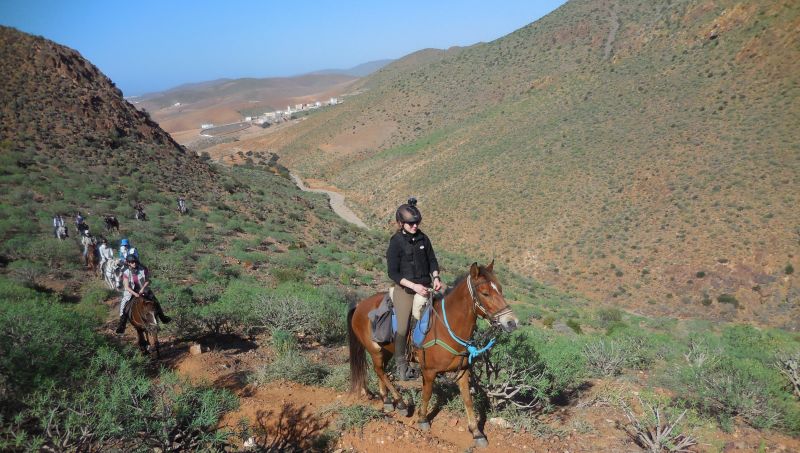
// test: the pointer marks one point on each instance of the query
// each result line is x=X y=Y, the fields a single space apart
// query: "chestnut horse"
x=453 y=321
x=92 y=257
x=142 y=316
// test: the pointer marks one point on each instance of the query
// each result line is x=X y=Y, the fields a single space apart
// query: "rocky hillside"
x=56 y=104
x=644 y=154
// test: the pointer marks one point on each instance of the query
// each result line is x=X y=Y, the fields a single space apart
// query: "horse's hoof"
x=403 y=409
x=424 y=426
x=481 y=442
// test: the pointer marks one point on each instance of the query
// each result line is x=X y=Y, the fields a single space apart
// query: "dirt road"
x=336 y=201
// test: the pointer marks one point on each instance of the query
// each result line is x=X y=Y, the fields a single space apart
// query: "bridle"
x=477 y=305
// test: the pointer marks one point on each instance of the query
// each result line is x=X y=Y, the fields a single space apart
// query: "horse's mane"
x=482 y=271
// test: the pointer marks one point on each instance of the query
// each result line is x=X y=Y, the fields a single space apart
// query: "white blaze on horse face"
x=495 y=287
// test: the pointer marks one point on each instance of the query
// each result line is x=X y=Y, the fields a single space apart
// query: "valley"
x=630 y=169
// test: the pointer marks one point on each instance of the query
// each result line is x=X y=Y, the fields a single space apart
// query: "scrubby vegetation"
x=595 y=159
x=256 y=259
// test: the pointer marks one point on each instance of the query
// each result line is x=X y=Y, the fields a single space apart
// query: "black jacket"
x=411 y=256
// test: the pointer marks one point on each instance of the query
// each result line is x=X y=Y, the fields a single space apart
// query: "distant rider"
x=58 y=222
x=106 y=254
x=136 y=282
x=87 y=241
x=181 y=205
x=80 y=224
x=125 y=249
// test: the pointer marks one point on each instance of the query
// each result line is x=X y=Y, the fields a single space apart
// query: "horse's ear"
x=490 y=266
x=474 y=270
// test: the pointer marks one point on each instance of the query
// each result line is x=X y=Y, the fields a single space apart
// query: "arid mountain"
x=646 y=154
x=60 y=107
x=52 y=92
x=222 y=101
x=361 y=70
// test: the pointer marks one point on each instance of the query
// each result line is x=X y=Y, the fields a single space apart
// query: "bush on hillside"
x=292 y=366
x=743 y=382
x=528 y=370
x=318 y=313
x=604 y=357
x=41 y=342
x=63 y=387
x=108 y=409
x=214 y=307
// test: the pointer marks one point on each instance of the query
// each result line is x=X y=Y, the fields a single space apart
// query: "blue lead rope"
x=472 y=350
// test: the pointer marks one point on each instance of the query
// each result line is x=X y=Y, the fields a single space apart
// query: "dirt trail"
x=286 y=415
x=336 y=202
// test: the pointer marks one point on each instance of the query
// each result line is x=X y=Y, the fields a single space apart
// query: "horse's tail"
x=358 y=356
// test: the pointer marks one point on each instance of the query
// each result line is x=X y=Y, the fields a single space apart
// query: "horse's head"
x=487 y=295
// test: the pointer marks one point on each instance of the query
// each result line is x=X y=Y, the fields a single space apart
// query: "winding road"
x=336 y=202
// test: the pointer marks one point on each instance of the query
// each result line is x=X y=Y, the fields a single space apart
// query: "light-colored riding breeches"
x=126 y=297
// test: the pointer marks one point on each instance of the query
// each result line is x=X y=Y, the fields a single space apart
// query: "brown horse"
x=92 y=258
x=479 y=294
x=142 y=316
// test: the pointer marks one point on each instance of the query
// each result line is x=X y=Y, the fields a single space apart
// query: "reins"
x=472 y=351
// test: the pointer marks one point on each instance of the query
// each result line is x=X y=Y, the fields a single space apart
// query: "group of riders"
x=122 y=271
x=411 y=265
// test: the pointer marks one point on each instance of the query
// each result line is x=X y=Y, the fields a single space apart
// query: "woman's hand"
x=437 y=284
x=420 y=289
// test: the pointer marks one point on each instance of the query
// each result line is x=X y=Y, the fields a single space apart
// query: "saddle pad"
x=422 y=327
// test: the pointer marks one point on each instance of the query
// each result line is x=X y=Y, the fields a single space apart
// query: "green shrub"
x=338 y=378
x=41 y=342
x=92 y=303
x=284 y=342
x=789 y=269
x=575 y=325
x=356 y=417
x=234 y=311
x=27 y=272
x=604 y=357
x=71 y=390
x=294 y=367
x=728 y=299
x=297 y=307
x=528 y=370
x=284 y=275
x=737 y=378
x=607 y=316
x=108 y=408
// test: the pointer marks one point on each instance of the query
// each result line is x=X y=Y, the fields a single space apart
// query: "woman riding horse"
x=446 y=347
x=135 y=281
x=412 y=266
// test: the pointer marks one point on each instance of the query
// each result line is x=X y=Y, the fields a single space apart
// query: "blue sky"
x=149 y=46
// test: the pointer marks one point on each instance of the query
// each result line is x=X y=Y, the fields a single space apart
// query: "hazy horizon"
x=149 y=47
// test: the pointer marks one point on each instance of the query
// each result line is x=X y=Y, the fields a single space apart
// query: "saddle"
x=384 y=322
x=147 y=295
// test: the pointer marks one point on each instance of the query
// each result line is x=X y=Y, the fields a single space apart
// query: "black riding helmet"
x=408 y=212
x=131 y=259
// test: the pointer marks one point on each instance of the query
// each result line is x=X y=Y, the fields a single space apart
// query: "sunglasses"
x=411 y=223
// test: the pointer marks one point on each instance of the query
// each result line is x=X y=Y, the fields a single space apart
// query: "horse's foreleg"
x=152 y=340
x=472 y=423
x=428 y=376
x=142 y=341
